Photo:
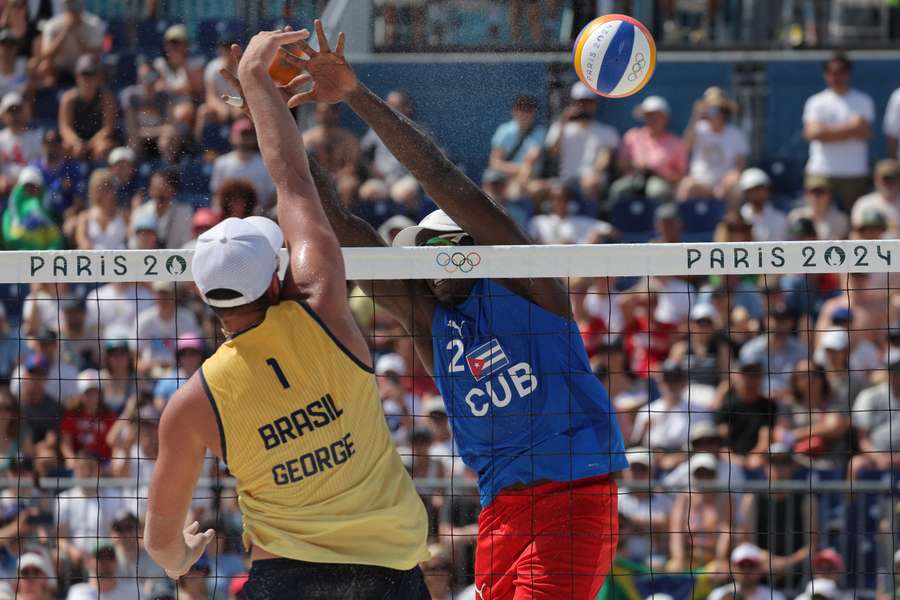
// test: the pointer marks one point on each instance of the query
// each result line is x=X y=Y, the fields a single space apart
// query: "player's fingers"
x=302 y=49
x=299 y=81
x=290 y=37
x=302 y=98
x=208 y=536
x=232 y=80
x=236 y=53
x=339 y=49
x=192 y=528
x=320 y=35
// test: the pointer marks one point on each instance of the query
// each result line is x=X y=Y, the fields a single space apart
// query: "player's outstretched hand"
x=195 y=543
x=331 y=75
x=262 y=48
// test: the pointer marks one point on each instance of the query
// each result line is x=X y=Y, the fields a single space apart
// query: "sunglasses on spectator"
x=32 y=572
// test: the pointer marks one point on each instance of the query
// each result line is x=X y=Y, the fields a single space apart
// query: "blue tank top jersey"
x=522 y=400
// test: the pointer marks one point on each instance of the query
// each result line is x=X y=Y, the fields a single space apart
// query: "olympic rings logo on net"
x=464 y=262
x=637 y=67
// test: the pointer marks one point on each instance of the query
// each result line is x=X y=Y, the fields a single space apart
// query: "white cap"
x=746 y=552
x=434 y=221
x=390 y=362
x=434 y=404
x=821 y=586
x=89 y=379
x=704 y=461
x=835 y=340
x=703 y=429
x=396 y=222
x=704 y=310
x=270 y=229
x=639 y=456
x=236 y=254
x=31 y=175
x=582 y=92
x=651 y=104
x=753 y=177
x=11 y=99
x=121 y=153
x=38 y=561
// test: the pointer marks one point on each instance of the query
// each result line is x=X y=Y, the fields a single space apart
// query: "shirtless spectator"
x=652 y=159
x=718 y=148
x=146 y=108
x=67 y=36
x=336 y=148
x=885 y=198
x=87 y=114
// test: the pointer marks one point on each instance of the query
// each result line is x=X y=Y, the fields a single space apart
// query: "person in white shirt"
x=244 y=162
x=158 y=328
x=886 y=197
x=558 y=226
x=892 y=123
x=214 y=109
x=830 y=222
x=104 y=582
x=664 y=424
x=13 y=68
x=837 y=124
x=116 y=306
x=19 y=145
x=769 y=223
x=718 y=148
x=747 y=571
x=173 y=219
x=67 y=36
x=582 y=147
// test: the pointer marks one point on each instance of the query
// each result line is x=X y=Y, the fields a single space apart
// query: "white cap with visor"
x=437 y=220
x=239 y=255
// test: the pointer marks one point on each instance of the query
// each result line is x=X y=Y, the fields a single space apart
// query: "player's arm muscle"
x=316 y=273
x=458 y=195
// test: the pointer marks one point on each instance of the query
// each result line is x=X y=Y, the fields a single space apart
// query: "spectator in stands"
x=442 y=438
x=560 y=226
x=748 y=570
x=203 y=220
x=158 y=328
x=746 y=417
x=146 y=233
x=19 y=145
x=177 y=141
x=146 y=105
x=9 y=346
x=215 y=110
x=13 y=68
x=777 y=350
x=134 y=563
x=536 y=23
x=830 y=222
x=643 y=515
x=128 y=183
x=27 y=225
x=579 y=148
x=846 y=384
x=103 y=577
x=193 y=585
x=875 y=421
x=664 y=424
x=64 y=180
x=516 y=145
x=859 y=308
x=36 y=578
x=85 y=426
x=704 y=439
x=885 y=198
x=173 y=219
x=652 y=159
x=25 y=27
x=718 y=149
x=189 y=355
x=335 y=147
x=134 y=439
x=383 y=164
x=235 y=198
x=181 y=76
x=87 y=114
x=83 y=515
x=837 y=123
x=66 y=37
x=700 y=525
x=869 y=224
x=15 y=436
x=892 y=124
x=78 y=337
x=61 y=377
x=706 y=353
x=118 y=375
x=769 y=223
x=162 y=589
x=496 y=185
x=115 y=305
x=102 y=226
x=668 y=224
x=244 y=162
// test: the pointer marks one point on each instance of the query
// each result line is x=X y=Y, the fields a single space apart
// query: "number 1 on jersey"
x=278 y=372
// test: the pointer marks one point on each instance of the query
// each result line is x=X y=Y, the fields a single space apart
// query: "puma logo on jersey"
x=457 y=326
x=486 y=359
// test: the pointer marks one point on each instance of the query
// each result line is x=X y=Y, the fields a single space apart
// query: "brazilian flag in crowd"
x=26 y=225
x=629 y=580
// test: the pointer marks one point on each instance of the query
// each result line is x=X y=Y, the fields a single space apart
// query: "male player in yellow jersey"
x=289 y=401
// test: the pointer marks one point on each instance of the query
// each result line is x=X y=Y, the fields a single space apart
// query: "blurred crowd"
x=715 y=380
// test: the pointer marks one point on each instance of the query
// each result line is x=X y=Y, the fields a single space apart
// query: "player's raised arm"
x=316 y=266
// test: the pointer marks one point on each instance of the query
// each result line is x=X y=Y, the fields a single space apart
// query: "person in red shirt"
x=85 y=427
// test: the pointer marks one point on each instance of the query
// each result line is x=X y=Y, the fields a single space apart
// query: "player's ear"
x=274 y=291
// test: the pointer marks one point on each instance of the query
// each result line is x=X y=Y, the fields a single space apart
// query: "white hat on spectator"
x=434 y=404
x=753 y=177
x=704 y=310
x=121 y=153
x=835 y=340
x=30 y=175
x=89 y=379
x=11 y=99
x=822 y=587
x=396 y=223
x=703 y=430
x=582 y=92
x=704 y=461
x=36 y=560
x=639 y=456
x=747 y=552
x=388 y=363
x=652 y=104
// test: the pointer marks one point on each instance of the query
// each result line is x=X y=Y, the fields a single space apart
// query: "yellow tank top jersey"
x=304 y=434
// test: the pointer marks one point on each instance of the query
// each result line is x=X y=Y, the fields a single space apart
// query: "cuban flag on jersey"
x=486 y=359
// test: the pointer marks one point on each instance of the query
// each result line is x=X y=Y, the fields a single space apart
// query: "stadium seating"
x=633 y=218
x=700 y=217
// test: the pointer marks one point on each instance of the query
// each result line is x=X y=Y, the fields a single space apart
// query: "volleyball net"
x=754 y=385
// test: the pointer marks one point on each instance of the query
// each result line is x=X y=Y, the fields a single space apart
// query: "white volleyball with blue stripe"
x=615 y=56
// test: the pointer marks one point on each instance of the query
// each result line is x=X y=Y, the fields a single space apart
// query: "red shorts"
x=551 y=541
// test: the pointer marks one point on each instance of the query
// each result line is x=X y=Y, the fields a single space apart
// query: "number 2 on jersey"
x=278 y=372
x=457 y=345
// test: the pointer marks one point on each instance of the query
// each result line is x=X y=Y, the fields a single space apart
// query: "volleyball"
x=614 y=55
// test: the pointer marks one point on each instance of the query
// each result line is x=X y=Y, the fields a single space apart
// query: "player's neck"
x=233 y=325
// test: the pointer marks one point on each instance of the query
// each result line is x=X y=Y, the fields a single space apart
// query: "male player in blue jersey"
x=527 y=413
